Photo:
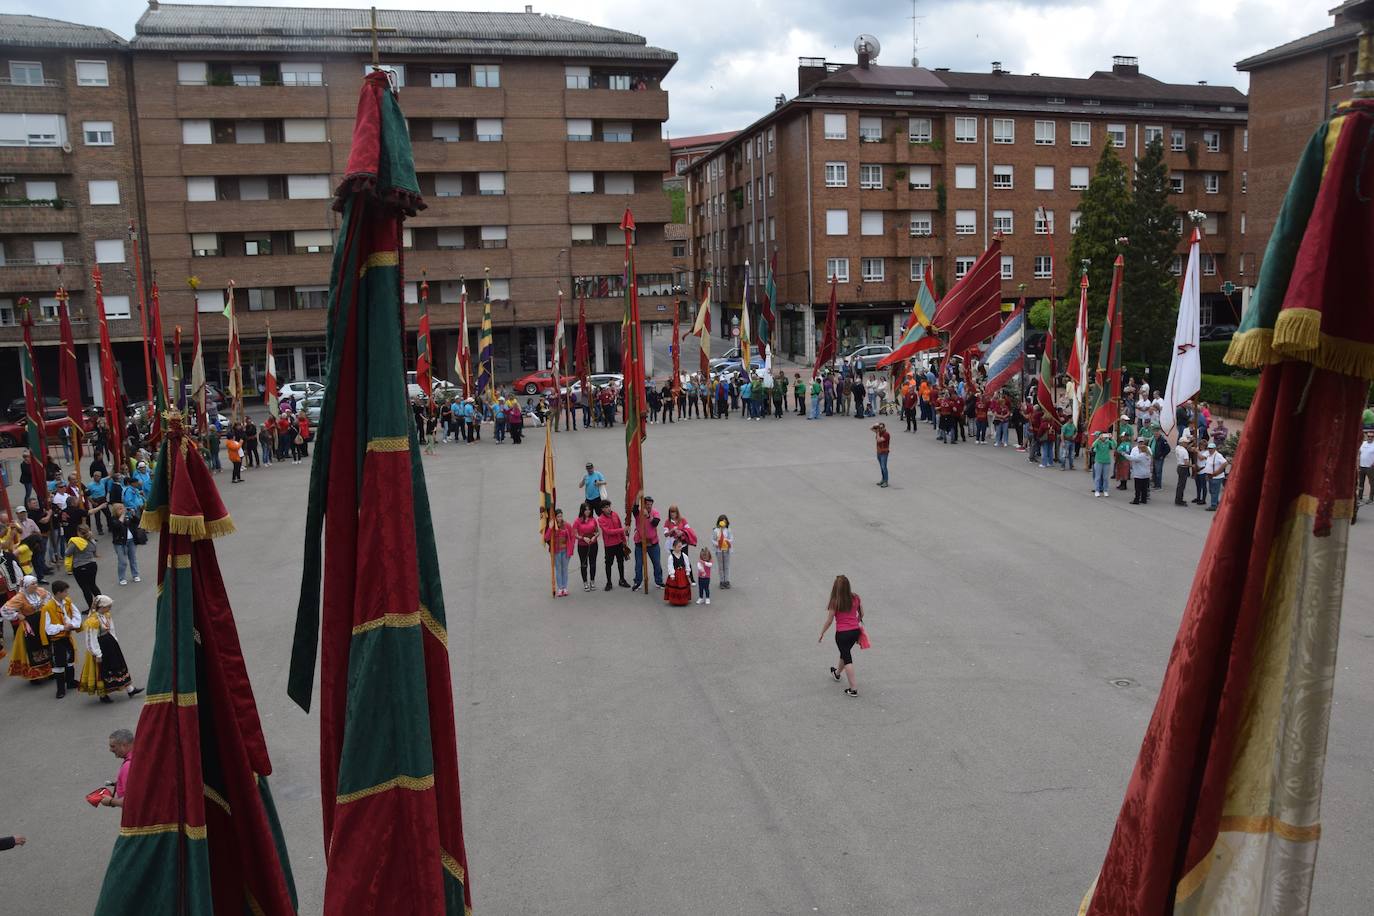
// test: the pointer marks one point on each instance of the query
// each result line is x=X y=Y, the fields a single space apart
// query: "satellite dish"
x=867 y=44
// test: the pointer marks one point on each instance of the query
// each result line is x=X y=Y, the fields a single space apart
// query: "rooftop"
x=700 y=140
x=1336 y=34
x=41 y=32
x=186 y=26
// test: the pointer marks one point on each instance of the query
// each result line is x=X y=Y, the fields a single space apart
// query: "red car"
x=12 y=434
x=541 y=381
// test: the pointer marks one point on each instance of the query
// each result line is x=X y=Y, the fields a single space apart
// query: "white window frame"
x=919 y=130
x=1075 y=217
x=105 y=185
x=579 y=130
x=484 y=128
x=1008 y=267
x=49 y=251
x=837 y=174
x=1003 y=130
x=308 y=187
x=1154 y=132
x=1211 y=183
x=870 y=222
x=921 y=224
x=109 y=251
x=201 y=188
x=832 y=132
x=1044 y=221
x=872 y=270
x=1211 y=141
x=837 y=268
x=966 y=177
x=197 y=132
x=1044 y=133
x=491 y=184
x=871 y=177
x=1080 y=133
x=116 y=307
x=917 y=265
x=1004 y=221
x=1117 y=133
x=26 y=65
x=837 y=222
x=103 y=131
x=869 y=131
x=1044 y=178
x=1043 y=267
x=304 y=130
x=1209 y=265
x=1178 y=140
x=924 y=185
x=486 y=76
x=577 y=77
x=965 y=222
x=617 y=131
x=1176 y=183
x=581 y=182
x=1080 y=176
x=1003 y=177
x=965 y=130
x=100 y=66
x=962 y=265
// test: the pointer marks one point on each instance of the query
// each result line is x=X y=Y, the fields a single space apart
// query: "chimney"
x=529 y=7
x=779 y=100
x=1125 y=66
x=864 y=58
x=997 y=68
x=810 y=71
x=152 y=4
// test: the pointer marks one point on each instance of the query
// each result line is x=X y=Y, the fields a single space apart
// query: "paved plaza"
x=620 y=756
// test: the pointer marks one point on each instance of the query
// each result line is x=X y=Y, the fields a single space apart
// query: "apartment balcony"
x=468 y=210
x=646 y=104
x=467 y=156
x=41 y=160
x=450 y=264
x=251 y=101
x=263 y=270
x=256 y=159
x=258 y=215
x=51 y=96
x=38 y=219
x=647 y=207
x=463 y=102
x=21 y=275
x=639 y=156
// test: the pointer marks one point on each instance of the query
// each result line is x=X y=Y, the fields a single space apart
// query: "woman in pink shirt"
x=613 y=533
x=559 y=537
x=847 y=613
x=587 y=531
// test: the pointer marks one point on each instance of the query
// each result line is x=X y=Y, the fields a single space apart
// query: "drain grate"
x=1123 y=682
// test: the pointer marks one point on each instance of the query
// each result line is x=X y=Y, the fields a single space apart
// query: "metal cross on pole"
x=374 y=29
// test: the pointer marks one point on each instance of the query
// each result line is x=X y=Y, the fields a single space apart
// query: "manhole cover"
x=1123 y=682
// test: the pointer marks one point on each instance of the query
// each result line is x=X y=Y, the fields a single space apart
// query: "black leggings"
x=85 y=580
x=586 y=560
x=615 y=553
x=844 y=641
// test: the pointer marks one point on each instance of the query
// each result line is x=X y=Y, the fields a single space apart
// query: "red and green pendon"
x=388 y=747
x=199 y=833
x=1102 y=401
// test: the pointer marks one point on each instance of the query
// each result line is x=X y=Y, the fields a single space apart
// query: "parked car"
x=443 y=388
x=868 y=355
x=1218 y=332
x=312 y=407
x=732 y=359
x=12 y=433
x=596 y=380
x=540 y=381
x=299 y=390
x=53 y=409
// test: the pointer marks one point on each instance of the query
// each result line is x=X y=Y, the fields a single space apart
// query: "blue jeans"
x=1047 y=453
x=639 y=565
x=1001 y=438
x=1066 y=454
x=1102 y=473
x=127 y=555
x=882 y=463
x=501 y=430
x=560 y=570
x=1157 y=476
x=981 y=430
x=1216 y=486
x=704 y=587
x=815 y=407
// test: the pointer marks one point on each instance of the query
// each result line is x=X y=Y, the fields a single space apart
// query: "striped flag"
x=273 y=402
x=701 y=329
x=485 y=385
x=1185 y=369
x=1078 y=356
x=114 y=416
x=235 y=360
x=424 y=370
x=1103 y=408
x=919 y=334
x=632 y=365
x=462 y=360
x=744 y=327
x=1044 y=392
x=1004 y=357
x=198 y=373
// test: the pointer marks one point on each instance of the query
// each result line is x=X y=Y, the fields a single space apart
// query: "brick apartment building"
x=1293 y=88
x=871 y=172
x=68 y=189
x=683 y=151
x=531 y=134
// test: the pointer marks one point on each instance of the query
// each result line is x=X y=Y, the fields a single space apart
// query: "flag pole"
x=142 y=311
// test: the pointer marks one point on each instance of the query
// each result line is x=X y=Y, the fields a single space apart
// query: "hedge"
x=1242 y=389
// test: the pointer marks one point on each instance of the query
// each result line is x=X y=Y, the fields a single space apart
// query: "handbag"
x=137 y=532
x=863 y=639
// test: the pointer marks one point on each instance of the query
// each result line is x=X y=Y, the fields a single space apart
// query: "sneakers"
x=834 y=673
x=708 y=600
x=123 y=581
x=850 y=692
x=609 y=586
x=701 y=601
x=138 y=578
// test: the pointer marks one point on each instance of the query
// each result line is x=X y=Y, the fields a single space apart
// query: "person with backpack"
x=846 y=612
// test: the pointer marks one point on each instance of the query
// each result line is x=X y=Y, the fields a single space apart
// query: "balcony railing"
x=7 y=81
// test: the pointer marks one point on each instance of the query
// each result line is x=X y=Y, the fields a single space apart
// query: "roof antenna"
x=915 y=61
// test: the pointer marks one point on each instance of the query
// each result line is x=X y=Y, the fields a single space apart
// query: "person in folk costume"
x=60 y=621
x=32 y=658
x=677 y=589
x=104 y=669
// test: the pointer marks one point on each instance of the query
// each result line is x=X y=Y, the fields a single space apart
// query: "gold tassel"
x=219 y=527
x=152 y=519
x=1297 y=332
x=1252 y=350
x=194 y=525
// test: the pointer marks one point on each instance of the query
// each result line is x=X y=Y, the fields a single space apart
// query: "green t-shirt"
x=815 y=386
x=1068 y=430
x=1368 y=417
x=1102 y=451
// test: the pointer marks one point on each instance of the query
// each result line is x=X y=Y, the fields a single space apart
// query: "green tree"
x=1105 y=217
x=677 y=199
x=1148 y=284
x=1039 y=316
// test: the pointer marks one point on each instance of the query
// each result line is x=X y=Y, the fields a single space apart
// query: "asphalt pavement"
x=621 y=756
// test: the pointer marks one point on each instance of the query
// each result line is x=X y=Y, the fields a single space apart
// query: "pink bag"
x=863 y=639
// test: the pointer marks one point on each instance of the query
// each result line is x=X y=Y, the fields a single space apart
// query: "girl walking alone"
x=846 y=612
x=724 y=544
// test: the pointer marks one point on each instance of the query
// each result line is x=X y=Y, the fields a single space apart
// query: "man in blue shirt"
x=591 y=487
x=97 y=497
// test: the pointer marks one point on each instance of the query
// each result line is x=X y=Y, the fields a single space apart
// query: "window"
x=310 y=297
x=1245 y=140
x=1007 y=266
x=1178 y=139
x=1080 y=133
x=1003 y=130
x=1044 y=178
x=1078 y=177
x=261 y=300
x=109 y=251
x=32 y=130
x=581 y=182
x=1242 y=231
x=965 y=222
x=195 y=133
x=250 y=132
x=489 y=130
x=871 y=269
x=308 y=187
x=871 y=177
x=836 y=222
x=1117 y=133
x=438 y=80
x=962 y=266
x=617 y=132
x=446 y=131
x=1152 y=134
x=204 y=244
x=921 y=223
x=493 y=236
x=1178 y=223
x=209 y=300
x=1044 y=266
x=1002 y=177
x=965 y=130
x=499 y=287
x=491 y=184
x=918 y=130
x=26 y=73
x=870 y=222
x=965 y=177
x=200 y=188
x=104 y=191
x=838 y=268
x=246 y=74
x=1244 y=181
x=191 y=72
x=253 y=188
x=486 y=76
x=92 y=73
x=40 y=190
x=577 y=77
x=303 y=130
x=116 y=306
x=920 y=177
x=1176 y=268
x=1002 y=221
x=836 y=174
x=258 y=245
x=98 y=133
x=772 y=229
x=835 y=128
x=448 y=184
x=312 y=241
x=1211 y=225
x=1209 y=265
x=48 y=252
x=47 y=308
x=618 y=183
x=579 y=129
x=301 y=73
x=1044 y=133
x=396 y=71
x=770 y=139
x=618 y=81
x=584 y=234
x=870 y=130
x=1044 y=222
x=1212 y=140
x=1211 y=183
x=770 y=184
x=1176 y=183
x=1075 y=217
x=918 y=267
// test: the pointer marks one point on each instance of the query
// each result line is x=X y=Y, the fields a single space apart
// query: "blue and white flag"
x=1004 y=357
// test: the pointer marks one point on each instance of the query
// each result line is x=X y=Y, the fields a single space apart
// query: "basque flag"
x=1004 y=357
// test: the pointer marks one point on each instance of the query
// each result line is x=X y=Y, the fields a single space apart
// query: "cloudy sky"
x=735 y=55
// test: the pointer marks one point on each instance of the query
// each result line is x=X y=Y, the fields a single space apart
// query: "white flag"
x=1185 y=371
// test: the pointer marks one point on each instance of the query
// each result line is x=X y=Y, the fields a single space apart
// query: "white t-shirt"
x=1214 y=466
x=1367 y=454
x=1182 y=456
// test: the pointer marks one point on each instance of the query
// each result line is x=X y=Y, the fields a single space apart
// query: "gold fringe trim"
x=213 y=796
x=194 y=525
x=451 y=865
x=398 y=621
x=435 y=629
x=389 y=444
x=152 y=519
x=192 y=833
x=219 y=527
x=1252 y=350
x=183 y=699
x=1268 y=824
x=1292 y=339
x=413 y=783
x=1297 y=332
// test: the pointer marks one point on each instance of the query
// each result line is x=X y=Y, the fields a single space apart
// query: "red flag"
x=632 y=366
x=583 y=360
x=1104 y=407
x=1044 y=392
x=677 y=350
x=424 y=371
x=69 y=376
x=35 y=427
x=830 y=343
x=109 y=387
x=270 y=386
x=972 y=311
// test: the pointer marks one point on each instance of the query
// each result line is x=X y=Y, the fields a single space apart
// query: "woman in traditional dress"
x=105 y=669
x=677 y=589
x=32 y=658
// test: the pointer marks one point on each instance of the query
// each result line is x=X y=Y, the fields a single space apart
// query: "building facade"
x=871 y=173
x=1293 y=88
x=68 y=190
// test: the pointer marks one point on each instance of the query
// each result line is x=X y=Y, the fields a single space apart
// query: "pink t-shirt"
x=122 y=780
x=704 y=569
x=848 y=620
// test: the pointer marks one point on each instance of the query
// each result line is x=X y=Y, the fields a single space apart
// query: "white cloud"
x=735 y=55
